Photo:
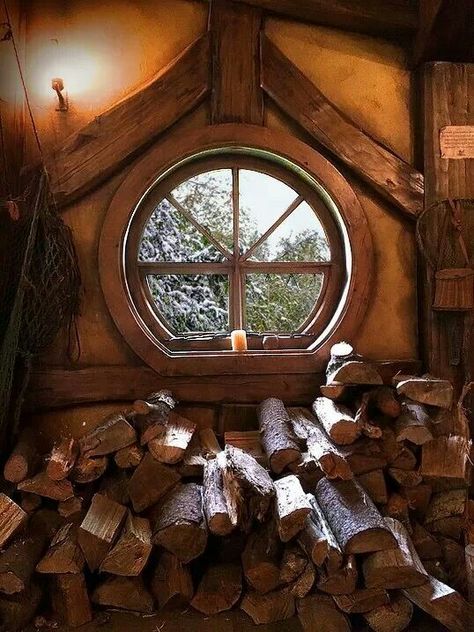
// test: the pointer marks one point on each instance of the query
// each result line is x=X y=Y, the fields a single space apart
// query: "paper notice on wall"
x=456 y=142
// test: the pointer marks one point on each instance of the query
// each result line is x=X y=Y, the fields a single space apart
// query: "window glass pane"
x=192 y=303
x=208 y=197
x=300 y=237
x=169 y=236
x=280 y=302
x=263 y=199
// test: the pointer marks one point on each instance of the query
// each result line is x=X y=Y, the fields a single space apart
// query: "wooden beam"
x=108 y=142
x=236 y=93
x=396 y=17
x=448 y=100
x=394 y=179
x=57 y=388
x=446 y=31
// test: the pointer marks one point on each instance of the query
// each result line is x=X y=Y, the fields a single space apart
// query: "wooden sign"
x=456 y=142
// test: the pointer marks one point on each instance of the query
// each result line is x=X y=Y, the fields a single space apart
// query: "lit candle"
x=239 y=340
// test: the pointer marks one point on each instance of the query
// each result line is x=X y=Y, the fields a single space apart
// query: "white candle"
x=239 y=340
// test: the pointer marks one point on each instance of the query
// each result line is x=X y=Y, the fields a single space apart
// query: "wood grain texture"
x=236 y=93
x=366 y=16
x=56 y=388
x=291 y=90
x=99 y=149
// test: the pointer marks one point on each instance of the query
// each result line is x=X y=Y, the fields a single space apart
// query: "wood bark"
x=248 y=488
x=62 y=459
x=113 y=434
x=42 y=485
x=362 y=600
x=12 y=519
x=180 y=526
x=319 y=612
x=96 y=151
x=170 y=446
x=24 y=458
x=261 y=559
x=126 y=593
x=338 y=581
x=215 y=506
x=70 y=599
x=427 y=390
x=396 y=568
x=278 y=605
x=318 y=540
x=442 y=603
x=171 y=583
x=328 y=456
x=392 y=617
x=278 y=440
x=292 y=507
x=99 y=529
x=219 y=589
x=353 y=517
x=130 y=554
x=337 y=421
x=64 y=554
x=150 y=482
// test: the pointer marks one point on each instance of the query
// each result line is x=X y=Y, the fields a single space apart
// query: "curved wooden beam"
x=291 y=90
x=112 y=139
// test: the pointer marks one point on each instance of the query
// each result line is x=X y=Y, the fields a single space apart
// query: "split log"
x=171 y=584
x=425 y=544
x=129 y=457
x=336 y=420
x=115 y=485
x=397 y=507
x=88 y=470
x=126 y=593
x=248 y=488
x=170 y=446
x=219 y=589
x=42 y=485
x=369 y=429
x=158 y=405
x=261 y=559
x=130 y=554
x=203 y=447
x=112 y=435
x=362 y=600
x=278 y=441
x=393 y=617
x=353 y=517
x=374 y=484
x=30 y=502
x=453 y=557
x=319 y=612
x=62 y=459
x=71 y=508
x=329 y=457
x=17 y=611
x=355 y=372
x=24 y=458
x=249 y=442
x=292 y=507
x=340 y=354
x=418 y=498
x=215 y=507
x=303 y=585
x=364 y=456
x=307 y=470
x=64 y=554
x=405 y=478
x=414 y=424
x=442 y=603
x=318 y=540
x=180 y=526
x=445 y=513
x=405 y=460
x=12 y=519
x=384 y=399
x=278 y=605
x=293 y=564
x=99 y=529
x=336 y=392
x=70 y=600
x=447 y=458
x=396 y=568
x=150 y=482
x=469 y=560
x=340 y=581
x=427 y=390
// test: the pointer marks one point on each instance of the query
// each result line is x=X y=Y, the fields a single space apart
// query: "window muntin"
x=285 y=237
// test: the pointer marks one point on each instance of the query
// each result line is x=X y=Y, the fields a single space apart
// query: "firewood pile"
x=355 y=511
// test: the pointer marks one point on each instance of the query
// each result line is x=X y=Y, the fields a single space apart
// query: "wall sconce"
x=57 y=85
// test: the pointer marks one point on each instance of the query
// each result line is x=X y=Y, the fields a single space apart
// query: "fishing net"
x=40 y=293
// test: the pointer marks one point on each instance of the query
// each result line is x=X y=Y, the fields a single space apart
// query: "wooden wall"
x=120 y=45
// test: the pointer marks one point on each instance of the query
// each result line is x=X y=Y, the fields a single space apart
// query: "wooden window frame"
x=323 y=187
